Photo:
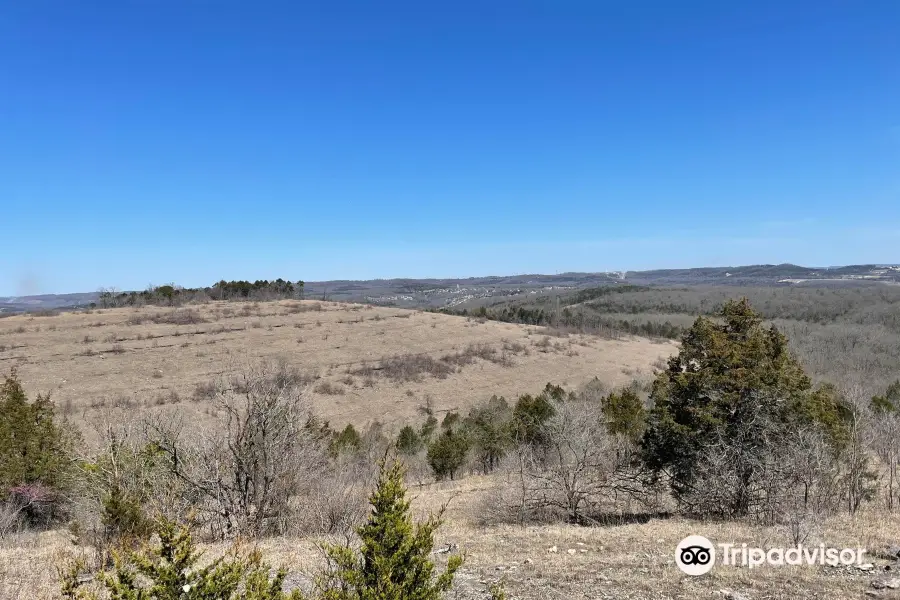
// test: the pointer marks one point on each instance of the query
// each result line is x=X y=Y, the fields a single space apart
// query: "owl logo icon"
x=695 y=555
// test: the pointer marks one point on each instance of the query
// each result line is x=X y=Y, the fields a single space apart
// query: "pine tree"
x=447 y=454
x=736 y=382
x=170 y=571
x=393 y=562
x=35 y=452
x=488 y=427
x=408 y=441
x=624 y=413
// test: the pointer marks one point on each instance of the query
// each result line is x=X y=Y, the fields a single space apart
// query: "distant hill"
x=17 y=304
x=407 y=292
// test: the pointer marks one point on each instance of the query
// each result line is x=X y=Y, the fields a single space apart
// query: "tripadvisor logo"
x=696 y=555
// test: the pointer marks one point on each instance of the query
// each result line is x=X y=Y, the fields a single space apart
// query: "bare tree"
x=582 y=471
x=886 y=443
x=256 y=459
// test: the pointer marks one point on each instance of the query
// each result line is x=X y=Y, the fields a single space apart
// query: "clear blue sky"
x=152 y=141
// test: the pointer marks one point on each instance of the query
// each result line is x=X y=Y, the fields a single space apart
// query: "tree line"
x=174 y=295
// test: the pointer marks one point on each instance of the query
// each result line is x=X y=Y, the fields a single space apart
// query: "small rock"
x=736 y=596
x=891 y=583
x=528 y=561
x=553 y=549
x=579 y=543
x=865 y=567
x=571 y=551
x=583 y=551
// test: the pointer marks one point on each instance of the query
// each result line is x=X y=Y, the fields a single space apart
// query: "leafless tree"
x=248 y=468
x=886 y=443
x=583 y=471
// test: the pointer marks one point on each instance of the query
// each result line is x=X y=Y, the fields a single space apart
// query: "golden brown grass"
x=630 y=561
x=135 y=358
x=152 y=356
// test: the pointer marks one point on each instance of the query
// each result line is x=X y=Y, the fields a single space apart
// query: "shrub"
x=178 y=317
x=447 y=454
x=530 y=417
x=393 y=561
x=34 y=451
x=488 y=428
x=347 y=441
x=625 y=414
x=408 y=441
x=733 y=390
x=170 y=570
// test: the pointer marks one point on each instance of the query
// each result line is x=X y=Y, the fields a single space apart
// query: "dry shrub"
x=411 y=367
x=205 y=391
x=332 y=504
x=179 y=316
x=582 y=475
x=136 y=319
x=301 y=308
x=543 y=345
x=329 y=389
x=244 y=471
x=11 y=521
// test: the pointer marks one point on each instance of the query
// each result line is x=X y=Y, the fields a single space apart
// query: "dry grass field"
x=367 y=363
x=554 y=562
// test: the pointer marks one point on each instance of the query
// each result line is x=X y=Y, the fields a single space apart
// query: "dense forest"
x=846 y=335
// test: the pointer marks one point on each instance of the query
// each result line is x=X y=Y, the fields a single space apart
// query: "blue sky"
x=192 y=140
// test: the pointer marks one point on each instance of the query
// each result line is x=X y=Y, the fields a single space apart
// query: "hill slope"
x=368 y=363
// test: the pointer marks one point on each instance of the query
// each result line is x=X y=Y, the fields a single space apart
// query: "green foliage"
x=125 y=478
x=497 y=590
x=428 y=428
x=170 y=571
x=348 y=441
x=34 y=447
x=530 y=417
x=625 y=414
x=488 y=428
x=393 y=562
x=122 y=516
x=825 y=407
x=408 y=441
x=890 y=401
x=447 y=454
x=734 y=381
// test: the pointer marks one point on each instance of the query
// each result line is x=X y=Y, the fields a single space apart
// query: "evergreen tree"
x=408 y=441
x=624 y=413
x=170 y=571
x=393 y=562
x=428 y=428
x=35 y=449
x=347 y=441
x=734 y=382
x=447 y=454
x=889 y=402
x=488 y=428
x=530 y=417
